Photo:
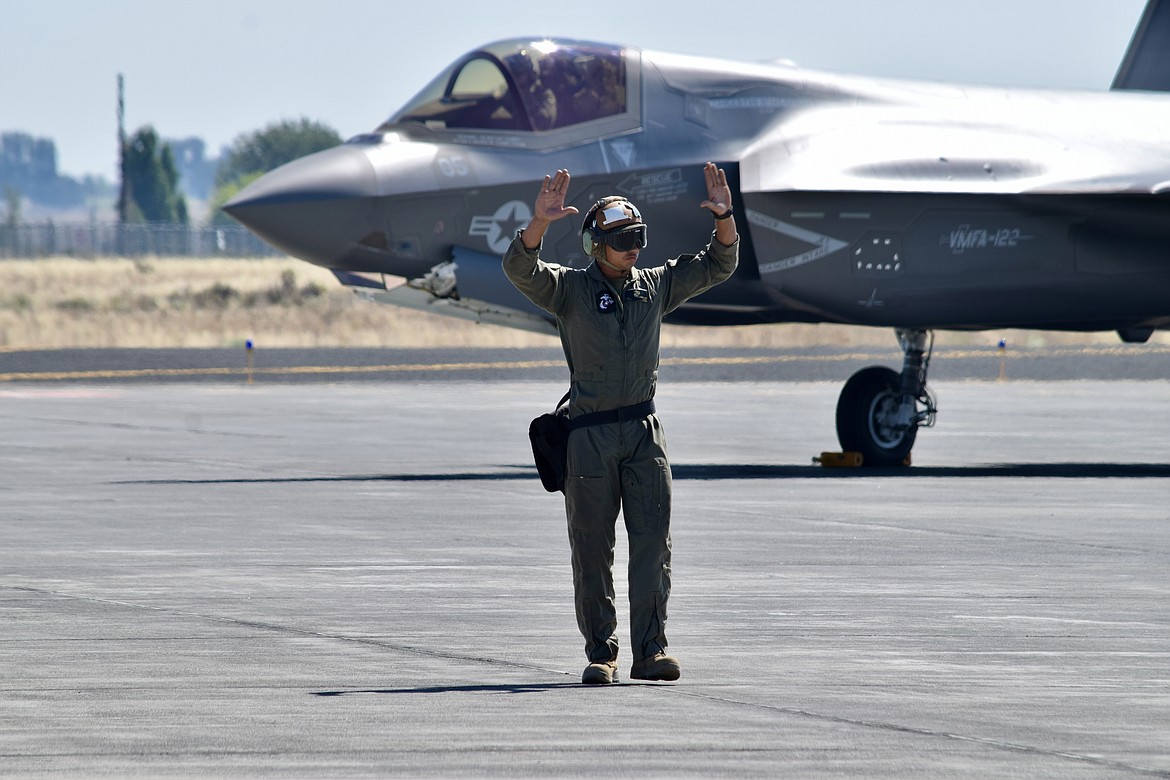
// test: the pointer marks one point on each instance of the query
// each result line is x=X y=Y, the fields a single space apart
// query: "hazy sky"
x=219 y=68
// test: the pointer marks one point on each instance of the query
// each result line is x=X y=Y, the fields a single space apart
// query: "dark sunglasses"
x=625 y=240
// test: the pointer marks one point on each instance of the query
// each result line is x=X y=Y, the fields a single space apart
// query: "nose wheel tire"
x=868 y=419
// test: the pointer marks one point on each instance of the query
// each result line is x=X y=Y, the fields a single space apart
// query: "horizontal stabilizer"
x=1147 y=61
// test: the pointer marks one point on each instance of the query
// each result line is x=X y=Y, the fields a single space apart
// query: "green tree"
x=152 y=181
x=253 y=154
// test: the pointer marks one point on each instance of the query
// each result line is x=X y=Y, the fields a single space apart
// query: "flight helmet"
x=614 y=221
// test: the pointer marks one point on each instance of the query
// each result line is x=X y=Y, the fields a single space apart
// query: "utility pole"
x=123 y=194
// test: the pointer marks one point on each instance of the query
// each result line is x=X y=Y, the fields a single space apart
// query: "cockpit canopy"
x=525 y=85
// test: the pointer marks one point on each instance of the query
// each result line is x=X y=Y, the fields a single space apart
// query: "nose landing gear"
x=879 y=410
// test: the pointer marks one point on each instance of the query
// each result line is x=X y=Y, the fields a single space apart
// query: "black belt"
x=635 y=412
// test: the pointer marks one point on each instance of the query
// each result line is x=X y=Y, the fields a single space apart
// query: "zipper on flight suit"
x=621 y=318
x=625 y=332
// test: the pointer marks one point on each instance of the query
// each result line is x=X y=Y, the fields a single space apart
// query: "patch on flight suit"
x=605 y=302
x=635 y=292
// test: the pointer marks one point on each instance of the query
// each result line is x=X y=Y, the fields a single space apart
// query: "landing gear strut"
x=879 y=410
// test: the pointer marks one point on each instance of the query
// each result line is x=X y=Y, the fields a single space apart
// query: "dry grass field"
x=58 y=303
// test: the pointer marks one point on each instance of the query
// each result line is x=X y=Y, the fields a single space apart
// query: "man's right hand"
x=550 y=206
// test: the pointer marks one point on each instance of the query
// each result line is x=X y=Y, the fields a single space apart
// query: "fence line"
x=113 y=239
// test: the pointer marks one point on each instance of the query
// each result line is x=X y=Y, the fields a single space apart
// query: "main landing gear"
x=879 y=410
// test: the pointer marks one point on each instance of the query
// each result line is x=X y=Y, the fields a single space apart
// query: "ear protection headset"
x=614 y=213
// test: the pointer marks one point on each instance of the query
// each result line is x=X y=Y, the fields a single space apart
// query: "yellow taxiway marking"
x=242 y=371
x=395 y=368
x=729 y=360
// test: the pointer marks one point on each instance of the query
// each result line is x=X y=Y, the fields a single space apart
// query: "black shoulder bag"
x=549 y=434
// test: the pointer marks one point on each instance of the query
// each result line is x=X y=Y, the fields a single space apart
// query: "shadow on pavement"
x=701 y=471
x=513 y=688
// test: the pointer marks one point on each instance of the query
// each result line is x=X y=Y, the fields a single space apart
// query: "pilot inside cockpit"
x=523 y=86
x=539 y=100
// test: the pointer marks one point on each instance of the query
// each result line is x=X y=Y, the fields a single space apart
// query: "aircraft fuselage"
x=860 y=201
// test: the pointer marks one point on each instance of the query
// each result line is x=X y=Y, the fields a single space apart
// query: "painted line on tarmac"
x=730 y=360
x=138 y=373
x=278 y=371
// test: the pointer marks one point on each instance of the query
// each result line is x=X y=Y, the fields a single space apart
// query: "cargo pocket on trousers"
x=588 y=501
x=647 y=495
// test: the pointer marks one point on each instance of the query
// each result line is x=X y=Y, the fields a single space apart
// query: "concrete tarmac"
x=367 y=580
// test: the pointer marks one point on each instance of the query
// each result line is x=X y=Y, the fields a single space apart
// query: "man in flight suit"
x=609 y=316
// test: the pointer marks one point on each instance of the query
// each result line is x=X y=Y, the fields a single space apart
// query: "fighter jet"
x=913 y=206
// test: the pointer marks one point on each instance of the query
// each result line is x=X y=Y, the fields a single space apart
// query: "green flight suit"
x=610 y=334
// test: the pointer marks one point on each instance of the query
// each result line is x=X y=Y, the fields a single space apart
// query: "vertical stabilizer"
x=1147 y=61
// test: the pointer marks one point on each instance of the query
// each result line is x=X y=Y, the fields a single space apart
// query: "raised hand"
x=718 y=202
x=550 y=201
x=550 y=206
x=718 y=191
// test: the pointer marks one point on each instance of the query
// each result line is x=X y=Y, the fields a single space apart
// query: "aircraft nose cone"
x=313 y=208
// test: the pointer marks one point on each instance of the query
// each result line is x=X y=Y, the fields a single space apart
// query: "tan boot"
x=657 y=667
x=600 y=673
